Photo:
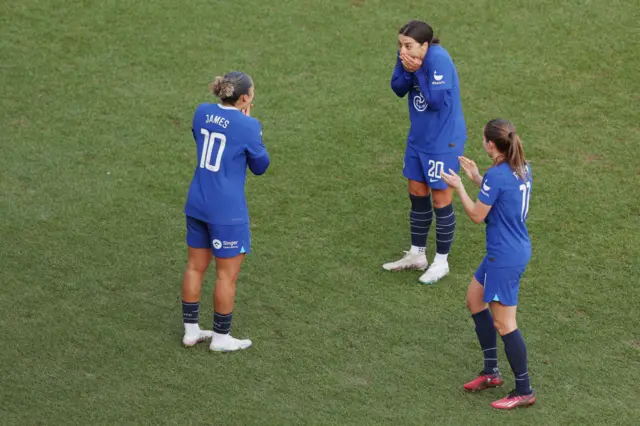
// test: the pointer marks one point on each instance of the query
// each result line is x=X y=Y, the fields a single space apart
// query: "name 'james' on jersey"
x=227 y=142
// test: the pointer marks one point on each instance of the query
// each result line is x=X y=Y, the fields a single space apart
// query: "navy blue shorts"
x=501 y=283
x=427 y=167
x=223 y=240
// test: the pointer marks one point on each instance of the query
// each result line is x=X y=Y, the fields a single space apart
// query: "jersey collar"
x=227 y=107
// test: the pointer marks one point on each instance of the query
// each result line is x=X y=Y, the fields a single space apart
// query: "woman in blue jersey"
x=425 y=71
x=228 y=140
x=503 y=204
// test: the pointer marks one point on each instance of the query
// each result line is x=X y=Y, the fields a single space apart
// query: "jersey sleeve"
x=196 y=123
x=440 y=74
x=401 y=80
x=257 y=155
x=490 y=188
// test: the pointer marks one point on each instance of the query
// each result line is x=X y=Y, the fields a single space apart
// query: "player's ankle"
x=441 y=258
x=417 y=250
x=191 y=329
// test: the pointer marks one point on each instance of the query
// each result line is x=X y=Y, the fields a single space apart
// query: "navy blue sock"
x=190 y=312
x=488 y=339
x=222 y=323
x=516 y=352
x=445 y=227
x=420 y=219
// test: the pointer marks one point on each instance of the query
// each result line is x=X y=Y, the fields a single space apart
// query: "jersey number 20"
x=435 y=168
x=207 y=149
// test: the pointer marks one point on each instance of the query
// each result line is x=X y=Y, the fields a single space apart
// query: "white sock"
x=219 y=336
x=417 y=250
x=191 y=329
x=441 y=258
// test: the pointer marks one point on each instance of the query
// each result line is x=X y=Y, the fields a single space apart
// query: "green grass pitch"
x=95 y=109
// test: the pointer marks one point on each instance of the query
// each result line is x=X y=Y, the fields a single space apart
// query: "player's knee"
x=419 y=192
x=470 y=305
x=469 y=301
x=442 y=198
x=196 y=267
x=504 y=326
x=418 y=189
x=198 y=260
x=226 y=282
x=474 y=306
x=441 y=204
x=227 y=276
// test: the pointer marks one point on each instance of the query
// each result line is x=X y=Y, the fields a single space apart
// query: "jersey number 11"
x=526 y=196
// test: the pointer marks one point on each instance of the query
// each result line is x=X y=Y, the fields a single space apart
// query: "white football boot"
x=436 y=272
x=409 y=261
x=226 y=343
x=195 y=336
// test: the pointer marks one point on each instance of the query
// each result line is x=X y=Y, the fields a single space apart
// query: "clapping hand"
x=452 y=179
x=471 y=169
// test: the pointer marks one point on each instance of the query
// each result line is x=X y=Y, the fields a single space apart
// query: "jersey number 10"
x=207 y=149
x=526 y=196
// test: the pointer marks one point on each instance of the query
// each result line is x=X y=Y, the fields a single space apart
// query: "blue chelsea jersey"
x=435 y=107
x=227 y=142
x=508 y=242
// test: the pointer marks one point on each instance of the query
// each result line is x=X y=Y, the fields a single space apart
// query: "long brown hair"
x=504 y=136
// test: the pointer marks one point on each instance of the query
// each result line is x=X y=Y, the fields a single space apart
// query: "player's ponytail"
x=503 y=135
x=515 y=155
x=230 y=87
